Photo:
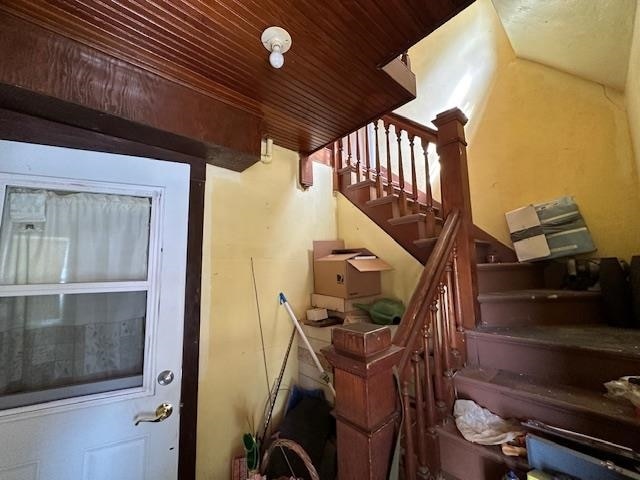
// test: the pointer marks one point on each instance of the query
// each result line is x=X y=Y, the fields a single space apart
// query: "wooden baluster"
x=438 y=381
x=428 y=375
x=452 y=309
x=379 y=186
x=409 y=449
x=367 y=155
x=414 y=178
x=457 y=303
x=349 y=151
x=341 y=150
x=358 y=164
x=444 y=330
x=336 y=160
x=430 y=218
x=403 y=194
x=421 y=428
x=389 y=169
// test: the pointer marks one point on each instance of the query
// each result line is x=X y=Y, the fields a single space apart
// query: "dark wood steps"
x=500 y=277
x=512 y=395
x=540 y=307
x=583 y=356
x=464 y=460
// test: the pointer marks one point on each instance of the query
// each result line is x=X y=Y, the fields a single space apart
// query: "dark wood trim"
x=25 y=128
x=191 y=341
x=50 y=76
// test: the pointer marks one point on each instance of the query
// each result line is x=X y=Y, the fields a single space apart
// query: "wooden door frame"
x=26 y=128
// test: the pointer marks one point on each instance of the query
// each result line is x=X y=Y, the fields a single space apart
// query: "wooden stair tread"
x=508 y=266
x=411 y=218
x=595 y=338
x=381 y=200
x=563 y=396
x=538 y=295
x=448 y=429
x=362 y=184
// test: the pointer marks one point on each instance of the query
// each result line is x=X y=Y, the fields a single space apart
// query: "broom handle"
x=296 y=323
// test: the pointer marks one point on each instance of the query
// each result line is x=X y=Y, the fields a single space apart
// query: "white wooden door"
x=92 y=270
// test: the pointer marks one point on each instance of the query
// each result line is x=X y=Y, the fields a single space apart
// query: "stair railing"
x=431 y=351
x=375 y=154
x=443 y=304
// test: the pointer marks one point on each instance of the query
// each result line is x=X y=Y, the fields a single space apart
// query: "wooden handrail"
x=413 y=318
x=411 y=127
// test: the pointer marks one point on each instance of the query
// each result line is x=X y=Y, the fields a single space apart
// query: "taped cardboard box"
x=549 y=230
x=339 y=304
x=346 y=273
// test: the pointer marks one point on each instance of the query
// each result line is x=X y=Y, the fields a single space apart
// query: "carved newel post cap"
x=361 y=340
x=449 y=115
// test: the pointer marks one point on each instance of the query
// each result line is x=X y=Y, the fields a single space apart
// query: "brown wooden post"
x=366 y=406
x=454 y=180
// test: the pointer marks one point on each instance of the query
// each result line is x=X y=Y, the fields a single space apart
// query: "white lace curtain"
x=50 y=237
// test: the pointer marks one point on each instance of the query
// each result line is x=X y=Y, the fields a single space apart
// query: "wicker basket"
x=294 y=447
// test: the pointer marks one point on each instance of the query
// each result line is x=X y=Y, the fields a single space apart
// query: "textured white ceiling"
x=588 y=38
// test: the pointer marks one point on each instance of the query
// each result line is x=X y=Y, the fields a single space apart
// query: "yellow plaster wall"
x=457 y=65
x=357 y=230
x=260 y=214
x=632 y=90
x=534 y=133
x=545 y=134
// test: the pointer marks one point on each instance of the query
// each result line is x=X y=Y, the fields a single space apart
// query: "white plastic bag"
x=479 y=425
x=622 y=388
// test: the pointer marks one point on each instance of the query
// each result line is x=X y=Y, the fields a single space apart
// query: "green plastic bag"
x=385 y=311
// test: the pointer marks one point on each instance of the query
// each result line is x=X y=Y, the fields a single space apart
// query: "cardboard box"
x=338 y=304
x=315 y=314
x=352 y=273
x=549 y=230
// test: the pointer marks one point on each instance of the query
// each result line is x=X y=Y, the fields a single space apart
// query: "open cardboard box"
x=346 y=273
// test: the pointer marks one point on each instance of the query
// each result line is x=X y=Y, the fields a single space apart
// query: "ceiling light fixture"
x=277 y=40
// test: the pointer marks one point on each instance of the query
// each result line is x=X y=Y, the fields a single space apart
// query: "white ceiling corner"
x=587 y=38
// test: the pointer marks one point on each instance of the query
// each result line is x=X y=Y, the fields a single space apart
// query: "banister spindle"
x=367 y=155
x=409 y=449
x=389 y=169
x=349 y=151
x=403 y=194
x=437 y=357
x=421 y=429
x=428 y=375
x=414 y=177
x=444 y=331
x=430 y=218
x=358 y=164
x=379 y=186
x=341 y=152
x=457 y=293
x=452 y=309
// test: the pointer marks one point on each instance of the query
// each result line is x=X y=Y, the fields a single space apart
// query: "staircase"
x=521 y=347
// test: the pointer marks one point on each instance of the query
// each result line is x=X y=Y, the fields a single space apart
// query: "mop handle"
x=296 y=323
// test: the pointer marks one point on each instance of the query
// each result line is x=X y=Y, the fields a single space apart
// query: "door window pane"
x=52 y=236
x=61 y=346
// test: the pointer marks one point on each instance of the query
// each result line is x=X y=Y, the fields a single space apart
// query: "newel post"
x=454 y=184
x=366 y=407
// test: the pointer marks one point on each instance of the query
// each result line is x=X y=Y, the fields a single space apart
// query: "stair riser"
x=381 y=215
x=522 y=278
x=556 y=364
x=513 y=404
x=415 y=230
x=482 y=251
x=361 y=195
x=460 y=459
x=518 y=312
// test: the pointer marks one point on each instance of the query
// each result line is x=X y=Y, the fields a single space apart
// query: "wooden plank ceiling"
x=331 y=81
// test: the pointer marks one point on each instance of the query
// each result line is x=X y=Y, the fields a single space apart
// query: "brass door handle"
x=163 y=412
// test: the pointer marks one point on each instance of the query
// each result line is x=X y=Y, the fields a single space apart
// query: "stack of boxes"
x=342 y=277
